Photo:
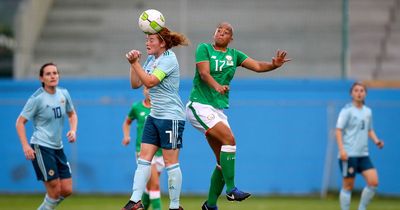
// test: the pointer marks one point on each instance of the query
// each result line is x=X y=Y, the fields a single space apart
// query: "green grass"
x=114 y=202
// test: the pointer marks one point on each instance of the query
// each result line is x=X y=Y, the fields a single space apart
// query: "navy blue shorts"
x=354 y=165
x=163 y=133
x=50 y=163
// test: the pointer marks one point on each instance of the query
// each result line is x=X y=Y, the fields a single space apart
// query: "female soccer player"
x=215 y=67
x=139 y=111
x=47 y=108
x=354 y=126
x=165 y=123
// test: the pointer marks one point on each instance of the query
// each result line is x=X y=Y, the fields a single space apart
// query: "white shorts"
x=203 y=116
x=158 y=161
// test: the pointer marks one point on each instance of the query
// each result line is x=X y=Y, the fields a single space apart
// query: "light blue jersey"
x=47 y=112
x=165 y=100
x=355 y=124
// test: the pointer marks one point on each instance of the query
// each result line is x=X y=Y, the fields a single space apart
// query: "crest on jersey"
x=229 y=61
x=51 y=172
x=210 y=117
x=351 y=170
x=142 y=113
x=62 y=101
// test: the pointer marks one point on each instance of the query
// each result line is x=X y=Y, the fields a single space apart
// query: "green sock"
x=146 y=200
x=156 y=203
x=216 y=187
x=227 y=160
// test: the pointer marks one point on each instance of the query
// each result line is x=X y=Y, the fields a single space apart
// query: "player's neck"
x=50 y=89
x=219 y=48
x=157 y=55
x=146 y=103
x=358 y=104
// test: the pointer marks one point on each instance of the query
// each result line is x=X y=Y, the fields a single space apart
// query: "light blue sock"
x=142 y=175
x=174 y=185
x=366 y=196
x=60 y=199
x=345 y=199
x=48 y=203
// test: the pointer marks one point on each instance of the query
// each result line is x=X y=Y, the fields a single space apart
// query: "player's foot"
x=236 y=195
x=206 y=207
x=133 y=206
x=180 y=208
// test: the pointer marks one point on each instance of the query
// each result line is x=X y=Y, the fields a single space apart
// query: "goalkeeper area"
x=112 y=202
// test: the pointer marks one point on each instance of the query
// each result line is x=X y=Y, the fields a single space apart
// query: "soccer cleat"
x=133 y=206
x=206 y=207
x=236 y=195
x=180 y=208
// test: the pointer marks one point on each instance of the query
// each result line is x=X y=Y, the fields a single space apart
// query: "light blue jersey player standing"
x=354 y=126
x=164 y=126
x=47 y=108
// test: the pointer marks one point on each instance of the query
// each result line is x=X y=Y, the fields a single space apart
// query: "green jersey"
x=222 y=68
x=139 y=113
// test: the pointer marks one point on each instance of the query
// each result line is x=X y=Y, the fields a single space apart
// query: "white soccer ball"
x=151 y=21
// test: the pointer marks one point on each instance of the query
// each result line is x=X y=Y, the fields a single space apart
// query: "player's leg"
x=142 y=174
x=217 y=180
x=214 y=124
x=222 y=133
x=153 y=186
x=45 y=167
x=64 y=171
x=170 y=132
x=371 y=178
x=348 y=173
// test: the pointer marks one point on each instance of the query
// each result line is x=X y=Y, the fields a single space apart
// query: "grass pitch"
x=114 y=202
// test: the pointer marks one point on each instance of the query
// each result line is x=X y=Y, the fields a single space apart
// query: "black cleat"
x=133 y=206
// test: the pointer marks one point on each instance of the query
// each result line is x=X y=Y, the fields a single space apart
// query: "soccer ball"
x=151 y=21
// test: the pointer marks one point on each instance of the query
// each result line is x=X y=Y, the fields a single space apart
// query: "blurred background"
x=283 y=121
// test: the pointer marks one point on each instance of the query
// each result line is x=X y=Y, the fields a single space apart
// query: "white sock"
x=48 y=203
x=366 y=196
x=174 y=185
x=142 y=175
x=345 y=199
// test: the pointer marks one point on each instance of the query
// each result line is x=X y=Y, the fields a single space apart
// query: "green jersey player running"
x=139 y=112
x=215 y=67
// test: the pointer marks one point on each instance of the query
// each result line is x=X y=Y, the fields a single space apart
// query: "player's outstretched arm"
x=264 y=66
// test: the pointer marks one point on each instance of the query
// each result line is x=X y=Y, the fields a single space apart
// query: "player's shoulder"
x=347 y=106
x=37 y=93
x=367 y=109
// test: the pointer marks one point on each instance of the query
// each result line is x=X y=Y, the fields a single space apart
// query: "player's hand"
x=280 y=58
x=133 y=56
x=222 y=89
x=126 y=140
x=28 y=152
x=71 y=135
x=343 y=155
x=380 y=144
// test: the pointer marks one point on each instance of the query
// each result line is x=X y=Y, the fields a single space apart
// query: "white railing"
x=29 y=21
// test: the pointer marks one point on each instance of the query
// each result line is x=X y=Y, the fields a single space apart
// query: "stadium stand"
x=89 y=38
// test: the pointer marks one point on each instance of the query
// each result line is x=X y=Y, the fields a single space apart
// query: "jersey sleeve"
x=241 y=56
x=165 y=67
x=342 y=119
x=202 y=53
x=132 y=114
x=30 y=109
x=69 y=105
